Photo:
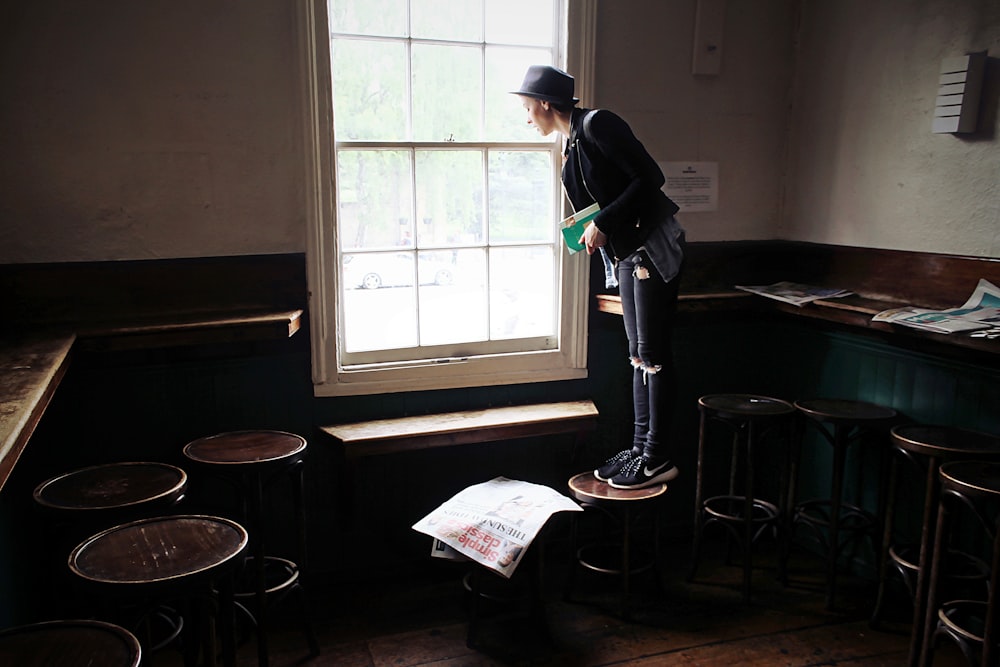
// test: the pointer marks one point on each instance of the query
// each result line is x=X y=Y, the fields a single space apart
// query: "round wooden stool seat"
x=844 y=411
x=946 y=443
x=586 y=488
x=974 y=625
x=159 y=551
x=739 y=407
x=621 y=505
x=113 y=486
x=69 y=644
x=247 y=448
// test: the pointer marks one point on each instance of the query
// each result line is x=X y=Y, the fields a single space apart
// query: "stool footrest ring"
x=731 y=508
x=964 y=618
x=587 y=557
x=816 y=513
x=279 y=574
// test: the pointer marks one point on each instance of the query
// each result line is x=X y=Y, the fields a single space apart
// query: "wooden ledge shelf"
x=387 y=436
x=195 y=329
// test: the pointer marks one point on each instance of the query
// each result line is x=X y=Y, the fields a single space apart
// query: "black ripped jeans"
x=649 y=306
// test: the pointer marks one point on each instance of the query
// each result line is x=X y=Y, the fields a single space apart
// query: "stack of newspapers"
x=796 y=294
x=981 y=311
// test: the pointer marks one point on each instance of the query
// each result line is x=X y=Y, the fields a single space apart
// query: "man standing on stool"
x=606 y=164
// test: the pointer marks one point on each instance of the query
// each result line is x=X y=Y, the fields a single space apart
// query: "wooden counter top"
x=31 y=369
x=853 y=311
x=32 y=365
x=612 y=303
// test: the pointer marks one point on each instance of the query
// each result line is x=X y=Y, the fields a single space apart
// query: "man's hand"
x=593 y=238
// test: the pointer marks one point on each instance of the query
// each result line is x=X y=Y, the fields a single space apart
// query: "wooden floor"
x=423 y=620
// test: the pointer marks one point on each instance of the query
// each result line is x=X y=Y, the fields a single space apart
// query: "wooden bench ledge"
x=385 y=436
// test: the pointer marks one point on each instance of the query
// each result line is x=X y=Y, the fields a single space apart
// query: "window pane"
x=453 y=303
x=447 y=19
x=520 y=22
x=374 y=199
x=380 y=304
x=521 y=197
x=369 y=90
x=368 y=17
x=449 y=197
x=447 y=93
x=522 y=292
x=505 y=116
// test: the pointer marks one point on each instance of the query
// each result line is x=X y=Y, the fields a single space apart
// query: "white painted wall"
x=152 y=129
x=172 y=128
x=737 y=119
x=865 y=169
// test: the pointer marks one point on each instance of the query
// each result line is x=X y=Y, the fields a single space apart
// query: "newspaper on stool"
x=492 y=523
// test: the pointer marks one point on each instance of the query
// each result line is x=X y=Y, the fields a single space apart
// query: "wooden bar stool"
x=82 y=502
x=972 y=488
x=624 y=508
x=255 y=459
x=925 y=448
x=80 y=643
x=749 y=419
x=187 y=559
x=841 y=423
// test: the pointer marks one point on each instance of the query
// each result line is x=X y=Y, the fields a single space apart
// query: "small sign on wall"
x=694 y=186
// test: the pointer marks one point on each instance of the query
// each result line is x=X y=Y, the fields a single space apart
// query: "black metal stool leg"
x=298 y=500
x=699 y=511
x=626 y=561
x=925 y=639
x=883 y=557
x=748 y=527
x=924 y=575
x=836 y=502
x=256 y=500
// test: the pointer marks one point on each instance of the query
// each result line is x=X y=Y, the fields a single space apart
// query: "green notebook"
x=573 y=227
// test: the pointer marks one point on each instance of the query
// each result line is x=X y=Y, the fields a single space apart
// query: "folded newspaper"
x=796 y=294
x=492 y=523
x=981 y=311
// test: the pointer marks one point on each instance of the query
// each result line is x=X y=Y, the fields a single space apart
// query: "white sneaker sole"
x=659 y=478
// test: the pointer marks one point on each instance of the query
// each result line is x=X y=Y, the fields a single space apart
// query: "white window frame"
x=567 y=362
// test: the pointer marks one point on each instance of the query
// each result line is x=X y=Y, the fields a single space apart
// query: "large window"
x=438 y=254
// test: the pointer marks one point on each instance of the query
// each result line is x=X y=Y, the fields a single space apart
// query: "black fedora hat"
x=548 y=83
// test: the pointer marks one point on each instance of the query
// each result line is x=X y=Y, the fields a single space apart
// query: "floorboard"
x=422 y=620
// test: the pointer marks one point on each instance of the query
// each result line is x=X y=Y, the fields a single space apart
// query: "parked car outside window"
x=375 y=270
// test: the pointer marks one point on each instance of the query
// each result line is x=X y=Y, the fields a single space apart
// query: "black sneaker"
x=614 y=465
x=642 y=471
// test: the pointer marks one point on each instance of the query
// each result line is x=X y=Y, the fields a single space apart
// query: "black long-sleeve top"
x=606 y=163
